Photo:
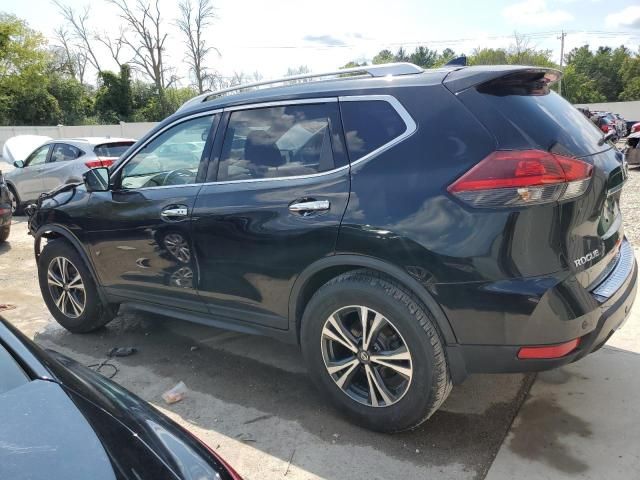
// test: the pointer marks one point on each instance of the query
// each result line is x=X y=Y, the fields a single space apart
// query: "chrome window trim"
x=160 y=132
x=281 y=103
x=410 y=124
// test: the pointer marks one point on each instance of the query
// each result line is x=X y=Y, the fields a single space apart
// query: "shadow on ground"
x=265 y=375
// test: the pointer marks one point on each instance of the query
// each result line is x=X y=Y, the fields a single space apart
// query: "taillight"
x=604 y=127
x=511 y=178
x=100 y=162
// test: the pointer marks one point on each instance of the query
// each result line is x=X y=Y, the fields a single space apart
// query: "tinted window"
x=112 y=149
x=368 y=125
x=63 y=152
x=171 y=158
x=38 y=157
x=547 y=121
x=278 y=142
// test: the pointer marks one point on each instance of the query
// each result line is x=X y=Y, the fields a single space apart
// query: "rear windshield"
x=112 y=149
x=545 y=121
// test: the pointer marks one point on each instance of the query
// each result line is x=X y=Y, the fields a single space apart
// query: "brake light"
x=605 y=128
x=99 y=162
x=548 y=351
x=508 y=178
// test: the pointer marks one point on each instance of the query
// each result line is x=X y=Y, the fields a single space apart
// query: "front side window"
x=368 y=125
x=63 y=152
x=38 y=157
x=279 y=141
x=172 y=158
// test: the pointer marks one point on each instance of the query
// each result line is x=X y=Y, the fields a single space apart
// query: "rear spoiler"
x=499 y=75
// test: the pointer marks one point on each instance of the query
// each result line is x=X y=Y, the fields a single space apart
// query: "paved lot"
x=251 y=400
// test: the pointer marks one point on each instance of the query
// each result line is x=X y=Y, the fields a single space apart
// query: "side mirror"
x=97 y=179
x=18 y=164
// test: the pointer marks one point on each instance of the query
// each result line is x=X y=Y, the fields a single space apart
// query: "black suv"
x=405 y=227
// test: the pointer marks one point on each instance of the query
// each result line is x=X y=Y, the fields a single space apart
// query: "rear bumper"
x=497 y=358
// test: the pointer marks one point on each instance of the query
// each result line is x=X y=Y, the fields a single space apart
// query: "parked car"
x=61 y=420
x=607 y=123
x=401 y=248
x=621 y=124
x=58 y=162
x=632 y=150
x=5 y=210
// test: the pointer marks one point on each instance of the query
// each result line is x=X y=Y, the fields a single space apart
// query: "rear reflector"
x=509 y=178
x=548 y=351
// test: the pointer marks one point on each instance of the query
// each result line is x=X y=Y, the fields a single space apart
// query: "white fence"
x=128 y=130
x=629 y=110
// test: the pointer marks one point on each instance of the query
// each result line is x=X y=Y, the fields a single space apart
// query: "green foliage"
x=114 y=98
x=606 y=75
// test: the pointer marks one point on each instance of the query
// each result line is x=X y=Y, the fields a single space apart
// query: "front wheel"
x=69 y=290
x=375 y=352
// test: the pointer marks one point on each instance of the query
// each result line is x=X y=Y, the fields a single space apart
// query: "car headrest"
x=260 y=149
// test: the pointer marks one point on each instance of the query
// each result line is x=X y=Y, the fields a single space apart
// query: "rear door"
x=273 y=205
x=140 y=231
x=59 y=168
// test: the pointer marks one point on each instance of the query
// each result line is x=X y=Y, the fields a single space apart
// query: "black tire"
x=430 y=382
x=14 y=195
x=95 y=313
x=4 y=233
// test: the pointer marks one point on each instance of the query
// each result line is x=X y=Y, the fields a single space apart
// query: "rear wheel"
x=375 y=352
x=69 y=290
x=4 y=233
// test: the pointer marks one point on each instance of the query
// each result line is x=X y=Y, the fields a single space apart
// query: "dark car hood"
x=42 y=435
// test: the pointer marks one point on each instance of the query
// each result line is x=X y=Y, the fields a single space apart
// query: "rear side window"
x=111 y=149
x=63 y=152
x=281 y=141
x=368 y=125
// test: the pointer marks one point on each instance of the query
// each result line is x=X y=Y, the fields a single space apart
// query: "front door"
x=29 y=182
x=276 y=196
x=140 y=231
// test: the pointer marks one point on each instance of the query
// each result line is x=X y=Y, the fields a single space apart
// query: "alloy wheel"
x=366 y=356
x=66 y=287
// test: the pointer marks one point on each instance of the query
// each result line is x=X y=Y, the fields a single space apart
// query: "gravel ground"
x=630 y=206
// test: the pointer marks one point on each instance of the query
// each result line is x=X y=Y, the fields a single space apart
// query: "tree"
x=384 y=56
x=424 y=57
x=192 y=23
x=81 y=32
x=114 y=102
x=148 y=43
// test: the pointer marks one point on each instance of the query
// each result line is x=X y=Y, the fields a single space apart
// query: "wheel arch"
x=54 y=231
x=320 y=272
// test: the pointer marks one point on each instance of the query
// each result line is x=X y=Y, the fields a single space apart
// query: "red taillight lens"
x=100 y=162
x=522 y=177
x=548 y=351
x=604 y=127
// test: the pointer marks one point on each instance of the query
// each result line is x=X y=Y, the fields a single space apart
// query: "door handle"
x=310 y=206
x=174 y=212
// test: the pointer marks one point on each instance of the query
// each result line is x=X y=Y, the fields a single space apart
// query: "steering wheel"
x=180 y=176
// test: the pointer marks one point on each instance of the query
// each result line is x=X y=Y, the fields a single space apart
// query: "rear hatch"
x=518 y=108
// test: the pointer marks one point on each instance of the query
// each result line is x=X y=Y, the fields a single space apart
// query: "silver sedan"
x=58 y=162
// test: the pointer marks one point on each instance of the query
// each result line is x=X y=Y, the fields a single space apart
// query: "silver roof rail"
x=384 y=70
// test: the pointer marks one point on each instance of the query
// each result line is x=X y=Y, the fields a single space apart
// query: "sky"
x=271 y=36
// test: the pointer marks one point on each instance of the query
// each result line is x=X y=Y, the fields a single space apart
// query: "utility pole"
x=561 y=38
